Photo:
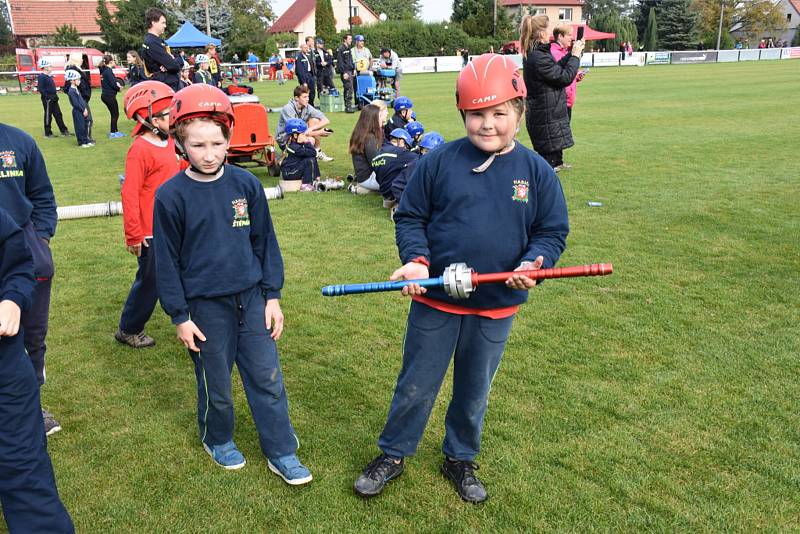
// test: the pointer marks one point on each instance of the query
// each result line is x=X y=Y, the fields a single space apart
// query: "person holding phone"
x=547 y=118
x=561 y=47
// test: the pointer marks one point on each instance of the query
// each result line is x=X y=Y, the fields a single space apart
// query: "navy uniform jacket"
x=396 y=121
x=300 y=160
x=388 y=164
x=155 y=54
x=213 y=239
x=344 y=60
x=304 y=68
x=492 y=220
x=16 y=265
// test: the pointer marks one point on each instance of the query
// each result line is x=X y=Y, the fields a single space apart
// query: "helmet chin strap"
x=485 y=165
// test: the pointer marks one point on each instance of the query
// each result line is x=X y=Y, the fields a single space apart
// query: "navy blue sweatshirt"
x=388 y=164
x=25 y=189
x=492 y=221
x=108 y=82
x=16 y=264
x=213 y=239
x=46 y=86
x=76 y=99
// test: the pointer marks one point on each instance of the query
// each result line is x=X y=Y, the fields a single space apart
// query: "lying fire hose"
x=114 y=207
x=328 y=184
x=459 y=281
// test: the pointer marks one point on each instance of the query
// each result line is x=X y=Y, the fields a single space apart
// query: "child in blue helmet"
x=300 y=158
x=391 y=161
x=416 y=130
x=429 y=142
x=80 y=110
x=402 y=115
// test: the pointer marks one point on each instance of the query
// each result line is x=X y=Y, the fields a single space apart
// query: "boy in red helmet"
x=219 y=276
x=496 y=205
x=151 y=161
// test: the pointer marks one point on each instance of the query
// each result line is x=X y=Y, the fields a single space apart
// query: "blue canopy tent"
x=189 y=36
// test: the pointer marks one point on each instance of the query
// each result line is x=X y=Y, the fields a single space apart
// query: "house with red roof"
x=33 y=19
x=558 y=11
x=299 y=18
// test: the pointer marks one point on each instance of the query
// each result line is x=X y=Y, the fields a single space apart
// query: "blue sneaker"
x=290 y=470
x=226 y=455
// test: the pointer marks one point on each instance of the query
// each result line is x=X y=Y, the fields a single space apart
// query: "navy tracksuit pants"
x=80 y=126
x=35 y=321
x=53 y=111
x=306 y=169
x=235 y=331
x=143 y=296
x=27 y=485
x=433 y=337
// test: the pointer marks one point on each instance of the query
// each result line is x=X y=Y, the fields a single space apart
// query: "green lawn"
x=663 y=398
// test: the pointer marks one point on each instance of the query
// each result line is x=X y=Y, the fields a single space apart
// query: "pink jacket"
x=558 y=52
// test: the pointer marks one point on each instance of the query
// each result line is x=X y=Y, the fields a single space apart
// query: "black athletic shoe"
x=377 y=474
x=462 y=474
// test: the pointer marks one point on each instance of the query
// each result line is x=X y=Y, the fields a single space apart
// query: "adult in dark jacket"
x=546 y=117
x=159 y=62
x=109 y=88
x=347 y=70
x=305 y=69
x=135 y=68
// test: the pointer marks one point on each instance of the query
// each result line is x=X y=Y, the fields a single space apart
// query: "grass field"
x=662 y=398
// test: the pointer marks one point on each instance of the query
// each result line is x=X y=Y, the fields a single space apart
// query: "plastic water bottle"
x=593 y=204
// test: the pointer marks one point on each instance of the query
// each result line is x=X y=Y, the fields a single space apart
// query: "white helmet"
x=72 y=74
x=201 y=58
x=44 y=63
x=186 y=66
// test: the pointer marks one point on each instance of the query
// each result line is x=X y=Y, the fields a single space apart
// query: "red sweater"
x=147 y=166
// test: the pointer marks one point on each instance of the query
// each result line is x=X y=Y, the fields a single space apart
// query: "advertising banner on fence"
x=749 y=55
x=728 y=56
x=636 y=60
x=418 y=64
x=657 y=58
x=447 y=63
x=701 y=56
x=770 y=53
x=586 y=60
x=606 y=59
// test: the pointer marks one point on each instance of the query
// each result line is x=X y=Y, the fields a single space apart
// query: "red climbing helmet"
x=488 y=80
x=146 y=99
x=201 y=100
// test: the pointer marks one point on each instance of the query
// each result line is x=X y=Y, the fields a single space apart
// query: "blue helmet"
x=400 y=133
x=415 y=128
x=294 y=126
x=431 y=141
x=358 y=37
x=414 y=115
x=403 y=102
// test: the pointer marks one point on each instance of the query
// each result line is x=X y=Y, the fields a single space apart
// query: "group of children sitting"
x=386 y=150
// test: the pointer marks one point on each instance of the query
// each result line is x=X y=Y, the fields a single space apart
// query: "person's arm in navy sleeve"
x=413 y=214
x=303 y=150
x=265 y=245
x=17 y=283
x=167 y=241
x=39 y=191
x=157 y=53
x=548 y=231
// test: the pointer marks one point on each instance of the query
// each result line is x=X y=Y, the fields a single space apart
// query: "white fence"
x=614 y=59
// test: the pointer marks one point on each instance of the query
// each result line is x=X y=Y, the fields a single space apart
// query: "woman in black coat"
x=546 y=117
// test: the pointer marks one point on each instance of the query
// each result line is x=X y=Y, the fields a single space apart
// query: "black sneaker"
x=377 y=474
x=462 y=474
x=51 y=426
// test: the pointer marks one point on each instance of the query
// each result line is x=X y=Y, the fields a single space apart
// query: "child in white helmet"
x=80 y=110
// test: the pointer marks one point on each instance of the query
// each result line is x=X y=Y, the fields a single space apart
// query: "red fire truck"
x=28 y=60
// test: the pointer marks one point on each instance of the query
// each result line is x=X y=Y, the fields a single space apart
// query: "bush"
x=413 y=38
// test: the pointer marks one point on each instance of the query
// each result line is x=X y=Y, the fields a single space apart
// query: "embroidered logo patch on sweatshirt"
x=520 y=191
x=241 y=217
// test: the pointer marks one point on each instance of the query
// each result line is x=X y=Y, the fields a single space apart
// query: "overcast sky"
x=432 y=10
